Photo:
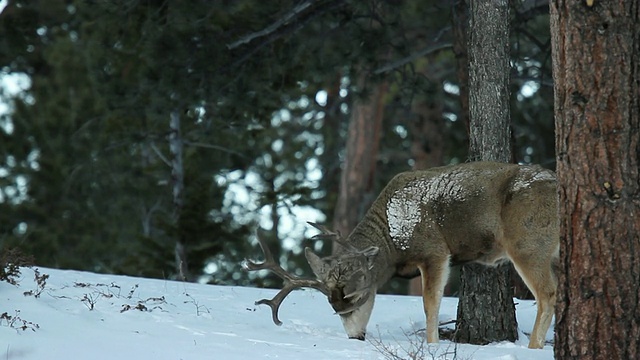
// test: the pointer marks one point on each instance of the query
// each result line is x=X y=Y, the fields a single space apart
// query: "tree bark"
x=486 y=312
x=596 y=69
x=358 y=174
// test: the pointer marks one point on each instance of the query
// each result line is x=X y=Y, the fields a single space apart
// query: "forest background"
x=152 y=138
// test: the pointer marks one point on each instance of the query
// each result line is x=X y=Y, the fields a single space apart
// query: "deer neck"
x=370 y=232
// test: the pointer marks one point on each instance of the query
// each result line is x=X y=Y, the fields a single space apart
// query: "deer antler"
x=291 y=282
x=326 y=234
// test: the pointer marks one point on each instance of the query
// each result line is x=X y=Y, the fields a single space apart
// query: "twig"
x=159 y=153
x=286 y=28
x=198 y=307
x=214 y=147
x=438 y=46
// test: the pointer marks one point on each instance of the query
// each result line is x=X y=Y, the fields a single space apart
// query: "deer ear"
x=370 y=253
x=318 y=266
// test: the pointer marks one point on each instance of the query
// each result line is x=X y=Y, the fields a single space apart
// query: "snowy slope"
x=83 y=315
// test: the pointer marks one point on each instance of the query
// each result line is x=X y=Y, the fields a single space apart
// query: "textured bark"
x=486 y=312
x=596 y=68
x=357 y=178
x=489 y=111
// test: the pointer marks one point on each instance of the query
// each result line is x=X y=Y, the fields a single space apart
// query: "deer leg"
x=434 y=278
x=540 y=279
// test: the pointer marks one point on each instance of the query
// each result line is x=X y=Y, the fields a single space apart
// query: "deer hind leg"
x=541 y=280
x=434 y=278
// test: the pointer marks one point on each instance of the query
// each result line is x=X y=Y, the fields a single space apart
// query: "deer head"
x=345 y=278
x=347 y=275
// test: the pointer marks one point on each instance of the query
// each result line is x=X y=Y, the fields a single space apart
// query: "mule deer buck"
x=427 y=220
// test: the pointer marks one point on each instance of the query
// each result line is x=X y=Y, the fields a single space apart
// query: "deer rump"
x=482 y=212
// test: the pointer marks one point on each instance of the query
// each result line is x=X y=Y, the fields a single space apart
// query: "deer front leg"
x=434 y=278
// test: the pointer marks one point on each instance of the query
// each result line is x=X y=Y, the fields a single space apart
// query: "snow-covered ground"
x=81 y=315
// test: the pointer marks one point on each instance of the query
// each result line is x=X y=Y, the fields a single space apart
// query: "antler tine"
x=291 y=282
x=327 y=234
x=290 y=285
x=268 y=258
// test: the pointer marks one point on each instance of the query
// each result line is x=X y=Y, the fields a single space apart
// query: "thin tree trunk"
x=358 y=174
x=460 y=21
x=596 y=68
x=427 y=147
x=486 y=312
x=177 y=182
x=335 y=124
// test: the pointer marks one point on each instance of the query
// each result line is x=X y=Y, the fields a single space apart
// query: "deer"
x=425 y=221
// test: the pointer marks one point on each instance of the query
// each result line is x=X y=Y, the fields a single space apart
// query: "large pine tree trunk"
x=596 y=69
x=486 y=312
x=357 y=178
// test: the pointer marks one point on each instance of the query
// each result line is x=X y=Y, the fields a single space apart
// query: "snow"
x=531 y=174
x=81 y=315
x=403 y=214
x=404 y=208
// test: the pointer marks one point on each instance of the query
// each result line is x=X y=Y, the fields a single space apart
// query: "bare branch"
x=159 y=154
x=303 y=17
x=273 y=27
x=214 y=147
x=424 y=52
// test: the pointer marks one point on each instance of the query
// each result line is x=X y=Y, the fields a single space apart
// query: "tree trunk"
x=596 y=69
x=460 y=22
x=358 y=174
x=427 y=131
x=177 y=182
x=486 y=312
